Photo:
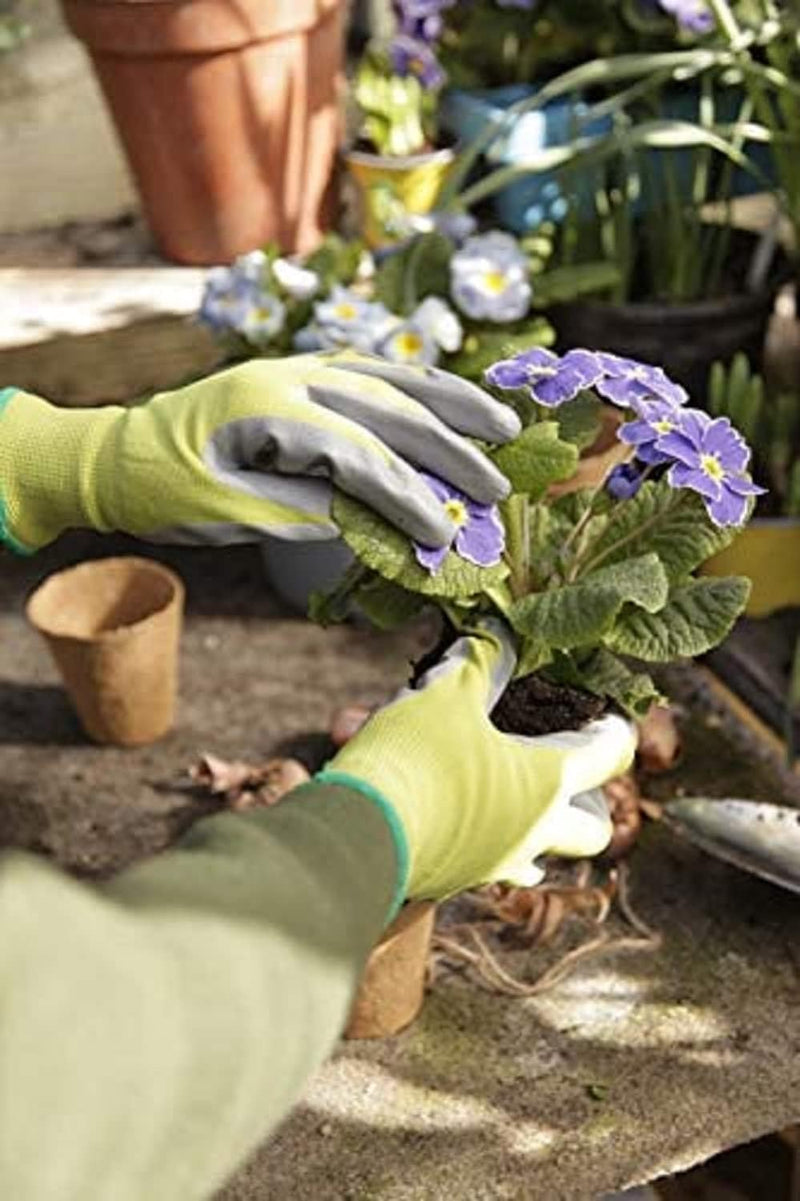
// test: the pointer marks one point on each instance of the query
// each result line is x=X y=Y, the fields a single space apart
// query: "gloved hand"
x=467 y=804
x=251 y=451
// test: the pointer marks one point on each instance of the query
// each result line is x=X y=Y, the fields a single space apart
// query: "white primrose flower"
x=409 y=342
x=489 y=278
x=436 y=317
x=300 y=283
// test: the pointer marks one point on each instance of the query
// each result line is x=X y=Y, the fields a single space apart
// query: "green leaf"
x=604 y=674
x=581 y=614
x=420 y=269
x=536 y=459
x=568 y=283
x=696 y=618
x=579 y=420
x=484 y=346
x=672 y=523
x=387 y=605
x=386 y=551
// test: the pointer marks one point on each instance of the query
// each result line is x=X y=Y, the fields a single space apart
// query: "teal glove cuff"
x=345 y=780
x=5 y=537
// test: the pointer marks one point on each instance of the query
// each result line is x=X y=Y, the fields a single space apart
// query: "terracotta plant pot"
x=229 y=114
x=768 y=552
x=391 y=189
x=113 y=627
x=392 y=988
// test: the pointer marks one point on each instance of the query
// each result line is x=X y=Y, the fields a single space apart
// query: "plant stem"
x=594 y=563
x=518 y=544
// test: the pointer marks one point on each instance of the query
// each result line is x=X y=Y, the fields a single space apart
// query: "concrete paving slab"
x=639 y=1064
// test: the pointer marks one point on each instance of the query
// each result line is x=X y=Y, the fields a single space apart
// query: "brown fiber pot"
x=113 y=628
x=229 y=114
x=392 y=987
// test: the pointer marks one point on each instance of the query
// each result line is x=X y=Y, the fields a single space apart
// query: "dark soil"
x=535 y=705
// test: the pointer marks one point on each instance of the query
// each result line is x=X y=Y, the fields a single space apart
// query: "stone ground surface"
x=637 y=1065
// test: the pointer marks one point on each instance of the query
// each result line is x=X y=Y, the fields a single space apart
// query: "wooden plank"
x=87 y=336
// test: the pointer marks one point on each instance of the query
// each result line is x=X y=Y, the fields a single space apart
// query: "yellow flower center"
x=664 y=426
x=346 y=311
x=408 y=344
x=494 y=282
x=456 y=511
x=262 y=314
x=712 y=467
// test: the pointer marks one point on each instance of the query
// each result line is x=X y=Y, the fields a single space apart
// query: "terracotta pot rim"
x=401 y=162
x=150 y=566
x=168 y=29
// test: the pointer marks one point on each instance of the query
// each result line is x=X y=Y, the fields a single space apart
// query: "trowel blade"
x=760 y=838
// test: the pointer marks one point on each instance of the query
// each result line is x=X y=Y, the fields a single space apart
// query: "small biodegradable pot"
x=392 y=987
x=390 y=189
x=113 y=628
x=768 y=552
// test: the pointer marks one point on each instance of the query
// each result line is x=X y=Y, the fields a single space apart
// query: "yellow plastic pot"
x=768 y=552
x=391 y=189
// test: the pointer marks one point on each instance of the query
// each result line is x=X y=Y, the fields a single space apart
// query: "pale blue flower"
x=297 y=281
x=489 y=278
x=436 y=317
x=409 y=342
x=262 y=319
x=346 y=319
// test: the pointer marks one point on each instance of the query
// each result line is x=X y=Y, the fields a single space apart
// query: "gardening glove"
x=467 y=804
x=252 y=451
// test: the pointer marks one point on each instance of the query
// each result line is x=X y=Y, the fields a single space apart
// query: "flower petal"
x=482 y=540
x=682 y=476
x=431 y=557
x=727 y=509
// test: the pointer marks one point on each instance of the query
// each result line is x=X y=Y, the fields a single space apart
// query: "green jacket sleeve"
x=155 y=1029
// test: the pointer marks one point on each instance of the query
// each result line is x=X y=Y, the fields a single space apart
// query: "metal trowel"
x=757 y=837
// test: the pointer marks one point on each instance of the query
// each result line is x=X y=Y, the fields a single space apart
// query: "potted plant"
x=228 y=113
x=768 y=550
x=498 y=56
x=597 y=582
x=690 y=287
x=397 y=162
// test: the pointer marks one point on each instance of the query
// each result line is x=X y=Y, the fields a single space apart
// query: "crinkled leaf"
x=579 y=420
x=387 y=605
x=672 y=523
x=581 y=614
x=385 y=550
x=607 y=675
x=533 y=656
x=696 y=618
x=536 y=459
x=485 y=345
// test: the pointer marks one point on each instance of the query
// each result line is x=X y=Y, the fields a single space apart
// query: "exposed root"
x=534 y=915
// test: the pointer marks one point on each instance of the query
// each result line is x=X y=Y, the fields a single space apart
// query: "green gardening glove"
x=252 y=451
x=467 y=804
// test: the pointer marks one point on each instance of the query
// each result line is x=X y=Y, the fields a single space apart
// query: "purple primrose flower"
x=692 y=15
x=479 y=536
x=410 y=56
x=711 y=457
x=623 y=482
x=625 y=381
x=656 y=419
x=552 y=381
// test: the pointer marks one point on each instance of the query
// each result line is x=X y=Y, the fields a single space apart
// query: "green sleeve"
x=155 y=1029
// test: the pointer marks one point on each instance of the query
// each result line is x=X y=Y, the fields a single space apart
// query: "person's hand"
x=469 y=805
x=252 y=451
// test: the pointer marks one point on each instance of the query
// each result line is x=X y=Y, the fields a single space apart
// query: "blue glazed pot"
x=523 y=205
